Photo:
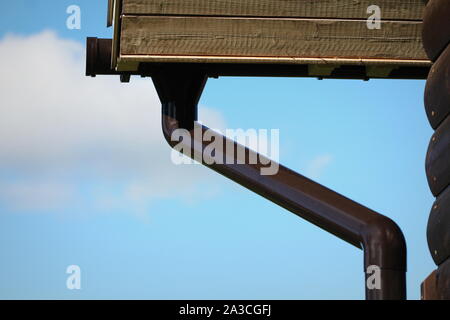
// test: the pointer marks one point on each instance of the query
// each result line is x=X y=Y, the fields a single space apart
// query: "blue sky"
x=86 y=178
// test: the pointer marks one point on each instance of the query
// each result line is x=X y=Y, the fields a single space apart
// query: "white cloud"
x=36 y=196
x=62 y=132
x=318 y=165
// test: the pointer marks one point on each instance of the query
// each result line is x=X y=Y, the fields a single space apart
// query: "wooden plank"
x=436 y=30
x=270 y=39
x=110 y=13
x=428 y=288
x=346 y=9
x=438 y=159
x=437 y=285
x=117 y=22
x=437 y=91
x=438 y=230
x=443 y=280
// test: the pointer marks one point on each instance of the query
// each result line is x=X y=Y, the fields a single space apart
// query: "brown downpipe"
x=381 y=239
x=180 y=87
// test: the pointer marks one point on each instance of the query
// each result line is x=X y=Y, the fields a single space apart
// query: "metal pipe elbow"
x=384 y=244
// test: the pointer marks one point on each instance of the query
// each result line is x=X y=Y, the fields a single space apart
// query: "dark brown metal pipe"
x=180 y=86
x=381 y=239
x=98 y=57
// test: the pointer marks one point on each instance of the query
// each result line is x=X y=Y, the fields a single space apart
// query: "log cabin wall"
x=436 y=39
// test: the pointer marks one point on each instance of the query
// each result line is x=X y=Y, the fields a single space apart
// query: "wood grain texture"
x=437 y=285
x=443 y=280
x=437 y=91
x=390 y=9
x=438 y=230
x=437 y=162
x=290 y=38
x=436 y=30
x=428 y=287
